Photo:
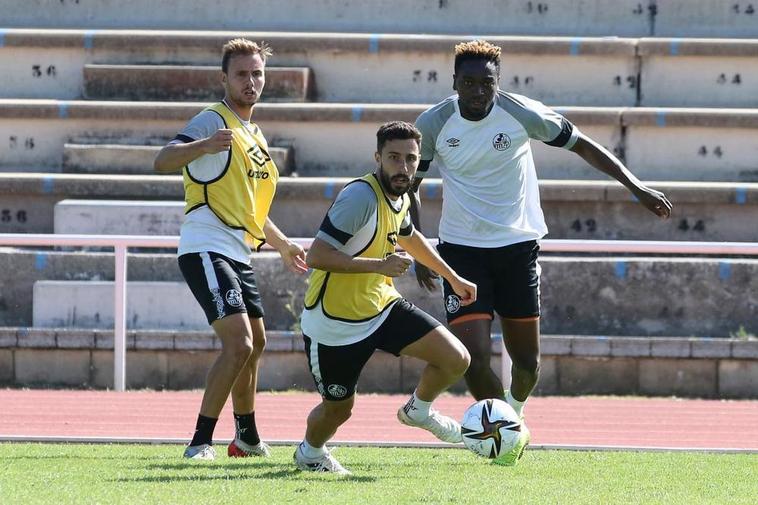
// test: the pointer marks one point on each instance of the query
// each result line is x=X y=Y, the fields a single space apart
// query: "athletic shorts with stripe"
x=335 y=369
x=221 y=285
x=507 y=280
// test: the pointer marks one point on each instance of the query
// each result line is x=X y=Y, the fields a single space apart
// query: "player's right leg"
x=335 y=371
x=474 y=333
x=472 y=324
x=311 y=454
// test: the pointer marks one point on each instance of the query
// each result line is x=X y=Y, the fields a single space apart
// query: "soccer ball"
x=490 y=428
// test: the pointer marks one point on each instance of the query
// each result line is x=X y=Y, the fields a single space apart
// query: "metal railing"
x=120 y=244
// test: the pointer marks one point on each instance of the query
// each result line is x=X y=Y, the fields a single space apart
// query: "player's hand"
x=395 y=265
x=218 y=142
x=465 y=290
x=426 y=277
x=293 y=257
x=654 y=201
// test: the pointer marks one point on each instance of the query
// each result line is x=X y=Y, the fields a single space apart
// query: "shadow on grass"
x=78 y=457
x=283 y=473
x=190 y=465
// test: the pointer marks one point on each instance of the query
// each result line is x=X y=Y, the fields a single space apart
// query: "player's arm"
x=425 y=277
x=292 y=254
x=177 y=155
x=324 y=256
x=599 y=157
x=423 y=167
x=417 y=246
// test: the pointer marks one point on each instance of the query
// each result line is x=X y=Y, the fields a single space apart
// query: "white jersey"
x=490 y=191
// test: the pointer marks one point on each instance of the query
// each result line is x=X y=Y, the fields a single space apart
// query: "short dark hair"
x=476 y=50
x=396 y=130
x=243 y=47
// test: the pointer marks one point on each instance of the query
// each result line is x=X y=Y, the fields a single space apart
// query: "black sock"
x=245 y=428
x=204 y=430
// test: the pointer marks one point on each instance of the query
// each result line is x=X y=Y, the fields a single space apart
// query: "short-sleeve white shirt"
x=491 y=195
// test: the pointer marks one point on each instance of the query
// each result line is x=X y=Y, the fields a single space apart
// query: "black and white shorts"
x=507 y=280
x=221 y=285
x=335 y=369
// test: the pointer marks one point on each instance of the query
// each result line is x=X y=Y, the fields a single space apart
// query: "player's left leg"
x=518 y=304
x=446 y=361
x=247 y=442
x=409 y=331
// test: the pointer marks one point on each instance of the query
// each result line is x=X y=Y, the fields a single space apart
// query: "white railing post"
x=119 y=320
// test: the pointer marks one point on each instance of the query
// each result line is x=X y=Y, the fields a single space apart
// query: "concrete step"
x=677 y=18
x=624 y=296
x=698 y=72
x=577 y=71
x=137 y=159
x=570 y=365
x=185 y=82
x=421 y=65
x=89 y=304
x=657 y=143
x=573 y=209
x=116 y=217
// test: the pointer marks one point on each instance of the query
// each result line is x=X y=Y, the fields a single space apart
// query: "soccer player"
x=491 y=215
x=229 y=183
x=352 y=307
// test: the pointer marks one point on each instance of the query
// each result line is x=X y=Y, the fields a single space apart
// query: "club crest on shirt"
x=452 y=304
x=501 y=142
x=453 y=142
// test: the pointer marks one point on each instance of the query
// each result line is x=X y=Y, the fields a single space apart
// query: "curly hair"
x=477 y=50
x=242 y=46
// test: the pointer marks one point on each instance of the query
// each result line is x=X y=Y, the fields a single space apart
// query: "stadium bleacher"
x=91 y=91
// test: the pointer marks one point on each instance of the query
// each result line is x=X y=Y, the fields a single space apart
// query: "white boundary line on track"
x=357 y=443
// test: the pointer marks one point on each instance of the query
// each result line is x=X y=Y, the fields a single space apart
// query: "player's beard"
x=243 y=101
x=386 y=182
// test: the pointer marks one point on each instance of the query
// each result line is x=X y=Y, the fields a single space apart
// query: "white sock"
x=517 y=405
x=418 y=410
x=311 y=452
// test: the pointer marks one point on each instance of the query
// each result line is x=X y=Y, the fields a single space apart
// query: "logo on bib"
x=501 y=142
x=453 y=142
x=234 y=298
x=337 y=391
x=452 y=304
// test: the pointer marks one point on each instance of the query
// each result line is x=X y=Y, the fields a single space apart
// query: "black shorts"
x=221 y=285
x=335 y=369
x=507 y=279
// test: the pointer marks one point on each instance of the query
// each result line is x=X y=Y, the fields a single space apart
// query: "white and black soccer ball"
x=490 y=428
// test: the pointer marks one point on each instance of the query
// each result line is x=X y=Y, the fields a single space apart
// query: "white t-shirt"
x=491 y=196
x=201 y=230
x=349 y=227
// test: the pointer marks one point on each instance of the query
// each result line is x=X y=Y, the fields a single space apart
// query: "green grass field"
x=137 y=474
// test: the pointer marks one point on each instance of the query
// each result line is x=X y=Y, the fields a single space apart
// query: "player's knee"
x=461 y=362
x=339 y=412
x=259 y=345
x=529 y=365
x=478 y=364
x=240 y=351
